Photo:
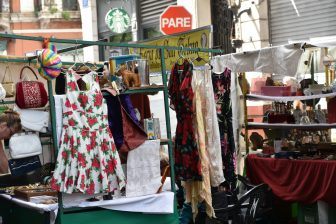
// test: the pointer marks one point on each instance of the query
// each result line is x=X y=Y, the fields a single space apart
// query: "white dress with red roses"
x=87 y=158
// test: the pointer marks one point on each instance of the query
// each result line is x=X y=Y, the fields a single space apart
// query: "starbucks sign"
x=117 y=20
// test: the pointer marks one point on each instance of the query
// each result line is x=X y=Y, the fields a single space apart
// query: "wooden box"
x=26 y=193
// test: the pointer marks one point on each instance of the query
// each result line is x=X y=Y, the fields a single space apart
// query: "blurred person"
x=10 y=123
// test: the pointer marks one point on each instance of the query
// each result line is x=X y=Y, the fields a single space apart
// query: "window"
x=70 y=5
x=151 y=32
x=4 y=5
x=121 y=38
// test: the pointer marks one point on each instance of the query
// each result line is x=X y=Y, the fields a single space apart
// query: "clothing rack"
x=164 y=88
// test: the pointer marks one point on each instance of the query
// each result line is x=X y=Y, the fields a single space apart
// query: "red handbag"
x=30 y=94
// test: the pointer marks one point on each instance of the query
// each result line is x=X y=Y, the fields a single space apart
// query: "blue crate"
x=116 y=61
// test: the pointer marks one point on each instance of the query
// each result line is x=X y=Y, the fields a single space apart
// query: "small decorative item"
x=50 y=64
x=333 y=86
x=117 y=20
x=149 y=128
x=129 y=78
x=269 y=81
x=157 y=130
x=140 y=66
x=297 y=113
x=320 y=115
x=304 y=119
x=152 y=128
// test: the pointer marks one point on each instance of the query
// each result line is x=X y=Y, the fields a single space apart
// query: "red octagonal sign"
x=175 y=19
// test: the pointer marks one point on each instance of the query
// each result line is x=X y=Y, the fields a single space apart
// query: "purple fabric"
x=114 y=115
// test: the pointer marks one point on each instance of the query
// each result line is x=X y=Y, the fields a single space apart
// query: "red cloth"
x=331 y=110
x=304 y=181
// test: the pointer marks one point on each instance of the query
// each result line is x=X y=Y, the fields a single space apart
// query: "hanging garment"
x=60 y=84
x=221 y=85
x=143 y=169
x=212 y=136
x=187 y=161
x=201 y=192
x=123 y=123
x=141 y=102
x=87 y=159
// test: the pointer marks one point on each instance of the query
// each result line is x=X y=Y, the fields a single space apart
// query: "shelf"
x=255 y=125
x=287 y=98
x=144 y=89
x=164 y=141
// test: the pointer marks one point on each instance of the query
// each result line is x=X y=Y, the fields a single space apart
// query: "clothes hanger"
x=181 y=56
x=199 y=59
x=75 y=60
x=84 y=68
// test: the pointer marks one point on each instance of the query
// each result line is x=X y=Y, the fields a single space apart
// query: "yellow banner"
x=194 y=39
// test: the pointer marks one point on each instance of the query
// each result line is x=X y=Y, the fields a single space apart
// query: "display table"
x=159 y=207
x=305 y=181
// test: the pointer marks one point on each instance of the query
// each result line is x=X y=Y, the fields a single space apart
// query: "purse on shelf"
x=8 y=84
x=24 y=144
x=22 y=166
x=30 y=94
x=34 y=120
x=2 y=92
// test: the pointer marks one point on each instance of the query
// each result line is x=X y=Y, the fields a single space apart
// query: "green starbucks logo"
x=117 y=20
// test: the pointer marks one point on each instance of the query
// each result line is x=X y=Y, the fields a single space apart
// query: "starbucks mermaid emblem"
x=117 y=20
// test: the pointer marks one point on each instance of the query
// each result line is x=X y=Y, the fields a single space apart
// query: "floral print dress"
x=222 y=89
x=87 y=158
x=186 y=154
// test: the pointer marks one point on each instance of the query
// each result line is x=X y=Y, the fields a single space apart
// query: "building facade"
x=263 y=23
x=145 y=19
x=45 y=18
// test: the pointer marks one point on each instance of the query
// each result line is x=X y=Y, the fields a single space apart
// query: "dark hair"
x=12 y=118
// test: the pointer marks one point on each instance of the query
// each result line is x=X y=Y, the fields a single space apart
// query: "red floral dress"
x=186 y=155
x=87 y=158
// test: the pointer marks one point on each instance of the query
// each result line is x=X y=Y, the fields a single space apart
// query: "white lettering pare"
x=176 y=22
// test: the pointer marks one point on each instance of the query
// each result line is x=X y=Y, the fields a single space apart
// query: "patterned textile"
x=114 y=106
x=203 y=192
x=221 y=85
x=143 y=169
x=213 y=144
x=87 y=159
x=187 y=161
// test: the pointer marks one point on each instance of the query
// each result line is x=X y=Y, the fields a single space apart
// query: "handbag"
x=8 y=85
x=2 y=92
x=21 y=166
x=34 y=120
x=30 y=94
x=24 y=144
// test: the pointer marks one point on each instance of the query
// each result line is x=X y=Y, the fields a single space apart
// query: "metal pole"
x=55 y=144
x=244 y=85
x=166 y=103
x=101 y=43
x=326 y=69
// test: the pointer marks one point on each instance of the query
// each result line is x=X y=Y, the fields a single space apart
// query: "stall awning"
x=281 y=60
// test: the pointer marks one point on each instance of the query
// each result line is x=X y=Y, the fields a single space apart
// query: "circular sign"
x=117 y=20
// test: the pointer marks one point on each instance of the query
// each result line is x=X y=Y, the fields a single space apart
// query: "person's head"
x=10 y=123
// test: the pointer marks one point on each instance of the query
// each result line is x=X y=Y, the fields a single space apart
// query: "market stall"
x=284 y=126
x=148 y=199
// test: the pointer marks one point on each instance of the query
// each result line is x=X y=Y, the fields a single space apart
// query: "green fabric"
x=111 y=216
x=13 y=213
x=3 y=109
